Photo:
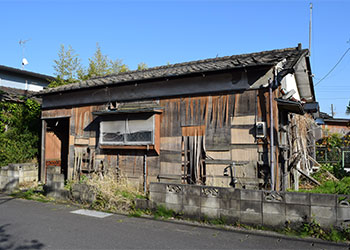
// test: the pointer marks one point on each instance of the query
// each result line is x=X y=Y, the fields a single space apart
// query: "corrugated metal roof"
x=264 y=58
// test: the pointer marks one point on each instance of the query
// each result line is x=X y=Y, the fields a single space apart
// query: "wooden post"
x=42 y=162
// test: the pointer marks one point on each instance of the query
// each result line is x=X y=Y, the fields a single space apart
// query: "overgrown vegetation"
x=331 y=187
x=329 y=153
x=113 y=194
x=19 y=131
x=31 y=191
x=313 y=229
x=68 y=67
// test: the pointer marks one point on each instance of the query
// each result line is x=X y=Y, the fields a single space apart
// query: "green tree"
x=101 y=65
x=67 y=66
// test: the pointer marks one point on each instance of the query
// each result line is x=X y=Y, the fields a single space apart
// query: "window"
x=128 y=129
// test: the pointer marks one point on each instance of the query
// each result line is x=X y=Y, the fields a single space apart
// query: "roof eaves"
x=264 y=58
x=25 y=72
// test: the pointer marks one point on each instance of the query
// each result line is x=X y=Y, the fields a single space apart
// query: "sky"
x=161 y=32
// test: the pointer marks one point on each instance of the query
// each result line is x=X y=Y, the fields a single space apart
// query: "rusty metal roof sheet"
x=265 y=58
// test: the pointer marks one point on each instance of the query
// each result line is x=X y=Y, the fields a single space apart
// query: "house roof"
x=26 y=73
x=14 y=95
x=265 y=58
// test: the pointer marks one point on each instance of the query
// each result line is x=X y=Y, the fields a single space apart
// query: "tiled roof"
x=14 y=95
x=264 y=58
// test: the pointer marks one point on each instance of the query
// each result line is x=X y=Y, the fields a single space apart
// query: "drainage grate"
x=91 y=213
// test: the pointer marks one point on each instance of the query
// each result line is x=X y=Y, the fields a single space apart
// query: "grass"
x=35 y=194
x=113 y=194
x=331 y=187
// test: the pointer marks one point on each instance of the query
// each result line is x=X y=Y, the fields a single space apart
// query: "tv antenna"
x=22 y=43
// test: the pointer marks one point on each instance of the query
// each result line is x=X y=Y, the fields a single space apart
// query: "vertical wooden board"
x=246 y=103
x=261 y=105
x=170 y=143
x=153 y=165
x=218 y=133
x=43 y=146
x=170 y=118
x=52 y=146
x=131 y=165
x=276 y=131
x=83 y=117
x=157 y=133
x=70 y=162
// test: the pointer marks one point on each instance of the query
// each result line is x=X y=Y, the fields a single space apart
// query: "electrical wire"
x=341 y=58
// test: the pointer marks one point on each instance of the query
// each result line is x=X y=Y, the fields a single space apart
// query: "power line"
x=341 y=58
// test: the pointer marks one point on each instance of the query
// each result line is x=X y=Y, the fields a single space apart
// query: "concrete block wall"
x=83 y=193
x=54 y=186
x=254 y=207
x=13 y=175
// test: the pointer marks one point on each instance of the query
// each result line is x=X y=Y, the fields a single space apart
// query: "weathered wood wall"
x=222 y=124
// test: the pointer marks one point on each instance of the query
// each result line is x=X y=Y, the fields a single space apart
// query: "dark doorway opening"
x=57 y=144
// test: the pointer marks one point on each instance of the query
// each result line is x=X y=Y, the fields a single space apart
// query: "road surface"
x=28 y=224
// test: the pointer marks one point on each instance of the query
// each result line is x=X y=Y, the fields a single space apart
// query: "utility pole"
x=310 y=29
x=332 y=110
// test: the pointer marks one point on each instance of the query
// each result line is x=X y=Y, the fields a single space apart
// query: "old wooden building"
x=206 y=122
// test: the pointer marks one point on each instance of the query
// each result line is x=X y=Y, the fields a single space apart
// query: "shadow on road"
x=6 y=241
x=4 y=199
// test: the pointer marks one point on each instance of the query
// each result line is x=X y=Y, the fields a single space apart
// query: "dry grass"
x=113 y=193
x=28 y=185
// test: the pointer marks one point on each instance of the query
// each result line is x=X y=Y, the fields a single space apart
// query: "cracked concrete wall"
x=254 y=207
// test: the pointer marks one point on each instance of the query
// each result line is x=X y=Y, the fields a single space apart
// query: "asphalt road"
x=33 y=225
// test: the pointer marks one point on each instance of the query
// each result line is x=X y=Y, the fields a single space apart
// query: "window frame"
x=156 y=113
x=125 y=142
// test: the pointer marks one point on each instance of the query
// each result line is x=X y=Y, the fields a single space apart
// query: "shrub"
x=19 y=131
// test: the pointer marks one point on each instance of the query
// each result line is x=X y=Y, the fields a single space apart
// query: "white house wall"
x=17 y=82
x=289 y=83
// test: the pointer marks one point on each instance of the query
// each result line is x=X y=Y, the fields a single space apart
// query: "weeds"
x=332 y=187
x=112 y=193
x=162 y=212
x=136 y=213
x=35 y=194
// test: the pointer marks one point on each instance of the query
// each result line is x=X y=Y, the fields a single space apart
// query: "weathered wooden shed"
x=206 y=121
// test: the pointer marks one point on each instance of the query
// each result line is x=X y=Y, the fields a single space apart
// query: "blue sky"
x=158 y=32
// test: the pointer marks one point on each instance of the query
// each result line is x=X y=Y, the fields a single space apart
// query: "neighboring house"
x=330 y=124
x=22 y=79
x=200 y=122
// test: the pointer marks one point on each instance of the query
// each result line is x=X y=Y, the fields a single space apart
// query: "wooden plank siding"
x=226 y=122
